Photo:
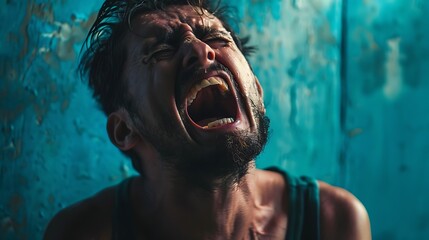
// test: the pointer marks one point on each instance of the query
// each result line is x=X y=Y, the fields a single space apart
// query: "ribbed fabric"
x=303 y=209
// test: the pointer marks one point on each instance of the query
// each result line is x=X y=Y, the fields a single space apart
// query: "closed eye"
x=217 y=41
x=161 y=52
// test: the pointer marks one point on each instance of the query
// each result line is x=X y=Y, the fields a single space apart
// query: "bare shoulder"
x=342 y=215
x=88 y=219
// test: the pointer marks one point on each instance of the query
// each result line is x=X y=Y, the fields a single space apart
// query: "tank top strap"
x=122 y=224
x=304 y=207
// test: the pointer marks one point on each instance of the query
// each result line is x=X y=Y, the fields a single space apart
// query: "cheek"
x=239 y=66
x=142 y=91
x=164 y=78
x=160 y=89
x=236 y=60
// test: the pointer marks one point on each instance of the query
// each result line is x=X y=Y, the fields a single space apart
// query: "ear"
x=121 y=131
x=261 y=92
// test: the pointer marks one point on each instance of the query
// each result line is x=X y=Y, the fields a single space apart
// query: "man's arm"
x=342 y=215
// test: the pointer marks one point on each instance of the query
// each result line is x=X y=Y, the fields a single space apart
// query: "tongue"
x=209 y=105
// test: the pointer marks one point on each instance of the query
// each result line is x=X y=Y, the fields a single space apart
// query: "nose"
x=197 y=52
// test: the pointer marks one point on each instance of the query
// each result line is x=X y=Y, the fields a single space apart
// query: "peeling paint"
x=23 y=30
x=43 y=11
x=297 y=4
x=53 y=136
x=387 y=87
x=394 y=83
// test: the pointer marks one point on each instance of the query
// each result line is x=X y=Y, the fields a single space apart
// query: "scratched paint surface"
x=298 y=65
x=55 y=150
x=387 y=117
x=53 y=142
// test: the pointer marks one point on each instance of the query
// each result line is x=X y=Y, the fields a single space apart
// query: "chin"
x=227 y=159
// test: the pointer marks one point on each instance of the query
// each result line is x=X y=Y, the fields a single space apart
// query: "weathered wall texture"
x=54 y=149
x=345 y=87
x=298 y=63
x=387 y=114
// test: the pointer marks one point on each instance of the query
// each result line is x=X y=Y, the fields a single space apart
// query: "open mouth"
x=210 y=104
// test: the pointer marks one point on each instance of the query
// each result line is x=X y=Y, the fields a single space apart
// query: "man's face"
x=193 y=92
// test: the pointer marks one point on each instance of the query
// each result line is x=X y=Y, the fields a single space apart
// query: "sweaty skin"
x=163 y=52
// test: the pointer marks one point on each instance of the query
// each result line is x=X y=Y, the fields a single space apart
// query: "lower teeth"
x=220 y=122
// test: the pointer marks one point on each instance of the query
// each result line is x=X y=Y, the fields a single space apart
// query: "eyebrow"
x=159 y=37
x=172 y=36
x=202 y=31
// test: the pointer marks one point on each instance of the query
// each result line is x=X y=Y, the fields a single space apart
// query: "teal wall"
x=345 y=87
x=386 y=121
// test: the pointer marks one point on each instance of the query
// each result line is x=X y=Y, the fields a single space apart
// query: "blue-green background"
x=346 y=86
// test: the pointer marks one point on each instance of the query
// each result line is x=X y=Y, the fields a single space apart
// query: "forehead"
x=173 y=18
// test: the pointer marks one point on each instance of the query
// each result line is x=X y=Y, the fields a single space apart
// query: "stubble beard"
x=224 y=161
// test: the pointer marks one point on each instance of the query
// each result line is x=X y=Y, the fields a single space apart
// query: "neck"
x=204 y=208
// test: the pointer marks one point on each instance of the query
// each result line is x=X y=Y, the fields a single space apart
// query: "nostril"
x=197 y=52
x=211 y=55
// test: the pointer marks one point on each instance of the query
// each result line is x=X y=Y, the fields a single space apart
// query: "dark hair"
x=104 y=53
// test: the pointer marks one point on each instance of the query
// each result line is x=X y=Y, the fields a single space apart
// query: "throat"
x=226 y=215
x=195 y=213
x=212 y=108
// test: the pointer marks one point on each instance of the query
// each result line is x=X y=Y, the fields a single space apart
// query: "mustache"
x=199 y=72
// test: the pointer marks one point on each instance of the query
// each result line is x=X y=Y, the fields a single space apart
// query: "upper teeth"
x=205 y=83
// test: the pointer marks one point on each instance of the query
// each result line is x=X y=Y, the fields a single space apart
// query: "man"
x=184 y=104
